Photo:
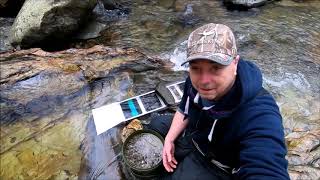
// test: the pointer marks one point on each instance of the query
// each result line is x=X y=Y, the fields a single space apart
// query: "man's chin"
x=207 y=96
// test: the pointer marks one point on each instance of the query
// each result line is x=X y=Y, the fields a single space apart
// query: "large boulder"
x=48 y=21
x=245 y=3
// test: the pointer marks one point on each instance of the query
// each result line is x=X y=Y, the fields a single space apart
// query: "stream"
x=47 y=129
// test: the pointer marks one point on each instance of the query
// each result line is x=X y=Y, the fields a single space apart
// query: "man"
x=227 y=126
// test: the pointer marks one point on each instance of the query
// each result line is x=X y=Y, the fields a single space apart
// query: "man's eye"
x=217 y=67
x=194 y=68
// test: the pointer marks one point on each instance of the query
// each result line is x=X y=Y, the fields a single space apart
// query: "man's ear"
x=236 y=61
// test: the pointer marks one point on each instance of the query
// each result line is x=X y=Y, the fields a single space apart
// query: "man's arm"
x=262 y=148
x=177 y=126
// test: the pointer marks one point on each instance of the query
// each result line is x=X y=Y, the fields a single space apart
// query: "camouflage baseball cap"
x=214 y=42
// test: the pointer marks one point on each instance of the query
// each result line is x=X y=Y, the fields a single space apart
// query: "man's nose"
x=205 y=78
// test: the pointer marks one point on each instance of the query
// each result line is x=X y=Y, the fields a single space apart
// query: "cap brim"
x=215 y=58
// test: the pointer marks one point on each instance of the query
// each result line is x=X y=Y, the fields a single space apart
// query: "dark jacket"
x=246 y=127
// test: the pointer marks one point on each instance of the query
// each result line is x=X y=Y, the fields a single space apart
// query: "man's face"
x=212 y=80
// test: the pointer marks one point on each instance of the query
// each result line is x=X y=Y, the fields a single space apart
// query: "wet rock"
x=43 y=151
x=113 y=4
x=304 y=154
x=99 y=21
x=103 y=15
x=303 y=0
x=41 y=20
x=180 y=5
x=165 y=93
x=303 y=172
x=109 y=4
x=93 y=63
x=188 y=17
x=91 y=30
x=101 y=155
x=239 y=4
x=298 y=3
x=167 y=3
x=46 y=99
x=5 y=25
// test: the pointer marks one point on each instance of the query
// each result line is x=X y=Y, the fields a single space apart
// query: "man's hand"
x=177 y=126
x=169 y=162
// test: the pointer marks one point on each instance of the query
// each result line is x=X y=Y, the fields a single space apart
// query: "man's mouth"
x=205 y=89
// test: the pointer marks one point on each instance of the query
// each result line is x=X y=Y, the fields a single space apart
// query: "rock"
x=3 y=3
x=5 y=25
x=100 y=20
x=188 y=17
x=47 y=130
x=133 y=126
x=113 y=4
x=299 y=3
x=167 y=3
x=109 y=4
x=103 y=15
x=303 y=0
x=43 y=151
x=246 y=3
x=10 y=8
x=92 y=30
x=304 y=154
x=165 y=93
x=41 y=20
x=303 y=172
x=180 y=5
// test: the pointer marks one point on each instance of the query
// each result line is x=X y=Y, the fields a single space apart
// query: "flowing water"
x=282 y=37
